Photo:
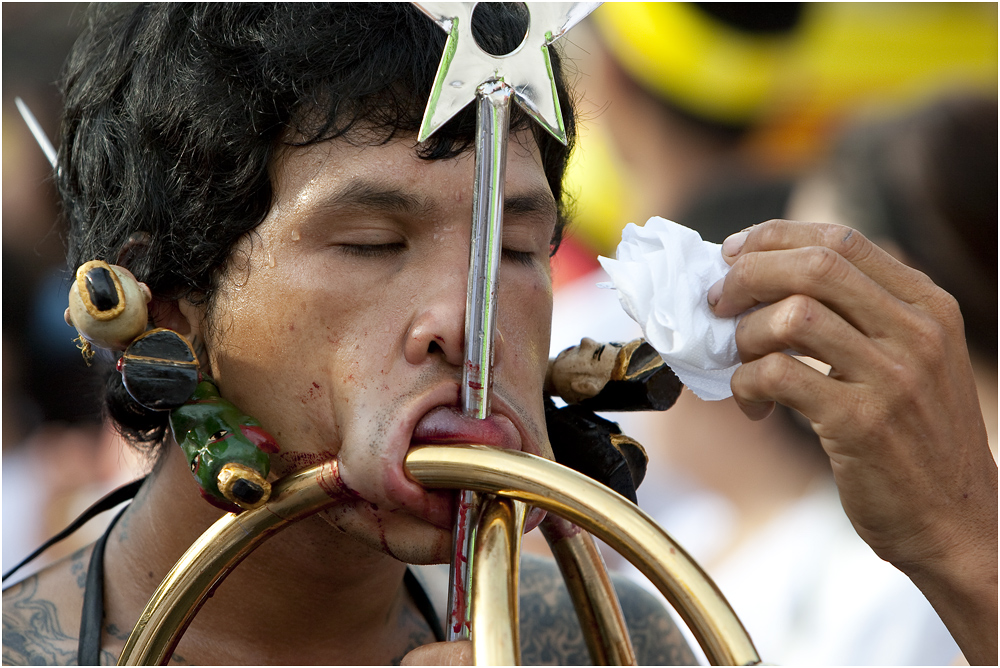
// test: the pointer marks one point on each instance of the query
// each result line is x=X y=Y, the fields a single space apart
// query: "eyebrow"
x=536 y=202
x=373 y=195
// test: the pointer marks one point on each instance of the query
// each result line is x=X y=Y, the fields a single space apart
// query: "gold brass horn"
x=506 y=474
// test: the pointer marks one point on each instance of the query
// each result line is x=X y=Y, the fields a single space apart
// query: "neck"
x=307 y=595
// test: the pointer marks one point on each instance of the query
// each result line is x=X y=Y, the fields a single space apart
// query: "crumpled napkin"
x=662 y=273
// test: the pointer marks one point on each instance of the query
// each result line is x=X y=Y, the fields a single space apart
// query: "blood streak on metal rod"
x=468 y=73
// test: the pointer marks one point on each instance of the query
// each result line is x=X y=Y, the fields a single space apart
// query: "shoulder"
x=551 y=634
x=41 y=614
x=655 y=636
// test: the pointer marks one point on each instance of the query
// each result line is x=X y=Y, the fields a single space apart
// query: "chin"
x=396 y=534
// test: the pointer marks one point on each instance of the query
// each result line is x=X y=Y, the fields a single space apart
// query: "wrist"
x=960 y=582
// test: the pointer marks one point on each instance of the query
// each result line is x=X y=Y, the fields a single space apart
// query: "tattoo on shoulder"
x=115 y=631
x=655 y=637
x=551 y=633
x=178 y=660
x=31 y=631
x=78 y=567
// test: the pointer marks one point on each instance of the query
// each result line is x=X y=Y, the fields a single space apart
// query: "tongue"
x=446 y=425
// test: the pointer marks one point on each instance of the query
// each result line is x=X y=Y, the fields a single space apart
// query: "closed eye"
x=373 y=250
x=520 y=257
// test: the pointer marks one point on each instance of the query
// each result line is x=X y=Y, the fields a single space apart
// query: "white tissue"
x=662 y=274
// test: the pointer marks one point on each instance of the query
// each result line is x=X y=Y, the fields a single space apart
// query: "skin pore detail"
x=37 y=630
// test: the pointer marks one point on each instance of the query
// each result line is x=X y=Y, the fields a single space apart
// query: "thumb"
x=458 y=653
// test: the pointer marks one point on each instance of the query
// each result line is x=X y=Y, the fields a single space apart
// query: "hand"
x=898 y=413
x=458 y=653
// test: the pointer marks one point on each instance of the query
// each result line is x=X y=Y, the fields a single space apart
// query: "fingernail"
x=734 y=243
x=715 y=292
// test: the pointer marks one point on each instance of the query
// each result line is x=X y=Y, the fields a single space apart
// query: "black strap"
x=123 y=493
x=92 y=618
x=92 y=621
x=423 y=603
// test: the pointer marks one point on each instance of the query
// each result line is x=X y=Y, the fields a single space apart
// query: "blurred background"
x=720 y=116
x=57 y=456
x=882 y=116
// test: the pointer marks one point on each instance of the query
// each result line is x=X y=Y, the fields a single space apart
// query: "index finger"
x=904 y=283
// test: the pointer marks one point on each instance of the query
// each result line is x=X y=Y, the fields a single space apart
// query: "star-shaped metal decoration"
x=527 y=69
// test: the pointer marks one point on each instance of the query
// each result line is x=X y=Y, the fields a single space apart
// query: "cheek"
x=526 y=319
x=277 y=359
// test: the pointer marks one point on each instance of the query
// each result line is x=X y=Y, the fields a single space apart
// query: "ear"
x=186 y=319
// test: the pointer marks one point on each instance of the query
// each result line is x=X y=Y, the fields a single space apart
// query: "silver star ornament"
x=527 y=70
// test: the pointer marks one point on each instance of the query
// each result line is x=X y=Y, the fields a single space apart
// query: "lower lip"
x=444 y=517
x=448 y=426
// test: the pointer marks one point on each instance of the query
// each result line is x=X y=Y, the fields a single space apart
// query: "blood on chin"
x=399 y=535
x=402 y=535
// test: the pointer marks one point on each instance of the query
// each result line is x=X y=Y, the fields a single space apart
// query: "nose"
x=437 y=330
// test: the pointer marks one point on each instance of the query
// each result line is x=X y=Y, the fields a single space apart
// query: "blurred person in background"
x=681 y=100
x=708 y=113
x=57 y=456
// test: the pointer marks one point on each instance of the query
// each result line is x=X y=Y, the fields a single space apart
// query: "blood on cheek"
x=298 y=460
x=352 y=375
x=313 y=391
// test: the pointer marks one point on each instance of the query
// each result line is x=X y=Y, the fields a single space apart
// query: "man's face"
x=339 y=324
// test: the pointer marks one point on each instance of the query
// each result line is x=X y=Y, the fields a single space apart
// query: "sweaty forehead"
x=393 y=177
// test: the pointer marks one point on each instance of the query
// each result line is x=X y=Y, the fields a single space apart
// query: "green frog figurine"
x=226 y=449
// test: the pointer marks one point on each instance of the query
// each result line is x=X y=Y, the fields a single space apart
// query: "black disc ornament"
x=159 y=369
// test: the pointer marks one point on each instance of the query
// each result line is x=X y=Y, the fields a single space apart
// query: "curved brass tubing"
x=495 y=620
x=515 y=475
x=609 y=516
x=216 y=553
x=594 y=597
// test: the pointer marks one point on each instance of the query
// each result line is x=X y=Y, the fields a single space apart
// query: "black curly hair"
x=173 y=113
